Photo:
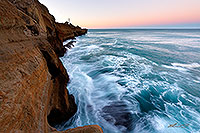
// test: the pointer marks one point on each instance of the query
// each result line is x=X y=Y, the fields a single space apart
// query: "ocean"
x=136 y=81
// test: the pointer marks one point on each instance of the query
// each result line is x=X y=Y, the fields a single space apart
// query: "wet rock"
x=119 y=114
x=86 y=129
x=70 y=44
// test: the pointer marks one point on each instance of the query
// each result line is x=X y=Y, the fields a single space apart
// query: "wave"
x=193 y=65
x=121 y=86
x=182 y=67
x=175 y=67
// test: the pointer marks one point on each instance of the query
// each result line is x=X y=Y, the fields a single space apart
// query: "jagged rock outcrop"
x=33 y=94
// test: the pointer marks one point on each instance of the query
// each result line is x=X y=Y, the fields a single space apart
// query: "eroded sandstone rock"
x=33 y=93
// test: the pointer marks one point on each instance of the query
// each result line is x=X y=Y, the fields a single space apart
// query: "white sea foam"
x=92 y=47
x=125 y=74
x=177 y=68
x=197 y=81
x=193 y=65
x=115 y=42
x=159 y=124
x=110 y=43
x=107 y=43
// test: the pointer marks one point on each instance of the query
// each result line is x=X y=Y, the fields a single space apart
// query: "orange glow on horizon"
x=139 y=23
x=143 y=20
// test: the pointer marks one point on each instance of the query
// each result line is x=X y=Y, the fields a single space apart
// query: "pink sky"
x=124 y=13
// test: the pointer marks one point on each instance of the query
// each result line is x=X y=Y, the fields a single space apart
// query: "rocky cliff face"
x=33 y=94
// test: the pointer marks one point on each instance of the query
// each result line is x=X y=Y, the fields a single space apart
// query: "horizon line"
x=150 y=28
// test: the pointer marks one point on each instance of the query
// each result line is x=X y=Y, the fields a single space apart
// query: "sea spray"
x=136 y=80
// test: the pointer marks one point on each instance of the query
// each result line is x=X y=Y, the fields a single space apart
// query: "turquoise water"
x=136 y=80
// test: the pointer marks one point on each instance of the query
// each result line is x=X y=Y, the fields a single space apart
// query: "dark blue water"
x=136 y=80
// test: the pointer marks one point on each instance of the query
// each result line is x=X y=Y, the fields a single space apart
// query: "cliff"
x=33 y=93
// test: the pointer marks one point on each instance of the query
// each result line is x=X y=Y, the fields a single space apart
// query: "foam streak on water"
x=136 y=80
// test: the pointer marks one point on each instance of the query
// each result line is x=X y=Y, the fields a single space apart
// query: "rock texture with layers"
x=33 y=93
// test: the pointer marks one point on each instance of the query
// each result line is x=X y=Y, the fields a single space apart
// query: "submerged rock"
x=118 y=114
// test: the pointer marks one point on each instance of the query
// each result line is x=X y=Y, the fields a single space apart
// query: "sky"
x=97 y=14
